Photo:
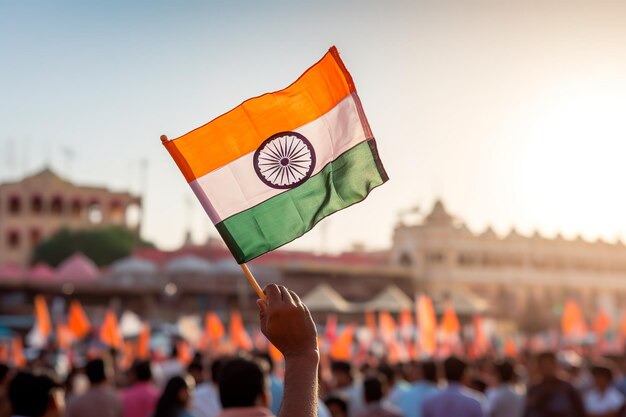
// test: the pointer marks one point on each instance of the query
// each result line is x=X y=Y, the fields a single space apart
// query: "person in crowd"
x=175 y=398
x=139 y=400
x=244 y=388
x=397 y=387
x=344 y=385
x=603 y=399
x=337 y=406
x=38 y=395
x=374 y=389
x=424 y=377
x=504 y=400
x=169 y=368
x=552 y=396
x=99 y=400
x=288 y=325
x=205 y=400
x=5 y=377
x=276 y=385
x=456 y=400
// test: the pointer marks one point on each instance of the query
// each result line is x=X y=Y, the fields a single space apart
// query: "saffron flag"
x=110 y=333
x=42 y=317
x=77 y=320
x=270 y=169
x=427 y=322
x=450 y=322
x=238 y=334
x=341 y=349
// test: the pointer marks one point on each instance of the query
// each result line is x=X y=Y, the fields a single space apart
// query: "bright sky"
x=514 y=113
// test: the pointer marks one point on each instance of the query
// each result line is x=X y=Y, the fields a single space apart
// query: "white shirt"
x=596 y=403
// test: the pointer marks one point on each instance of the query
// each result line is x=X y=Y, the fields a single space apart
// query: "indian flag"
x=271 y=168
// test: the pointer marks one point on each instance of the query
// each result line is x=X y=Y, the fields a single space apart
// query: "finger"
x=273 y=293
x=284 y=292
x=295 y=298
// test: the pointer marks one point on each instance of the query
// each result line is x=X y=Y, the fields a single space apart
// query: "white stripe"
x=236 y=187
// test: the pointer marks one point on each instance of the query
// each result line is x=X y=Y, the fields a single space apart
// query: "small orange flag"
x=64 y=337
x=77 y=320
x=481 y=344
x=572 y=320
x=42 y=316
x=274 y=353
x=341 y=349
x=214 y=328
x=510 y=348
x=110 y=332
x=427 y=322
x=238 y=335
x=387 y=326
x=4 y=352
x=450 y=322
x=143 y=342
x=184 y=352
x=17 y=352
x=601 y=323
x=128 y=355
x=370 y=322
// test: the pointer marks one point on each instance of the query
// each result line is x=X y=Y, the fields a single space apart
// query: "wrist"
x=311 y=358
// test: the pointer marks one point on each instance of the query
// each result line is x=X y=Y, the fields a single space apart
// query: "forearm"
x=300 y=395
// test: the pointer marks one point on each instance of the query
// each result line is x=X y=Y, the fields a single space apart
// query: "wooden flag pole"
x=253 y=282
x=243 y=266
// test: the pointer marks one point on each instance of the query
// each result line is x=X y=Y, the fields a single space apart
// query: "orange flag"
x=427 y=322
x=622 y=325
x=386 y=326
x=481 y=344
x=4 y=353
x=370 y=322
x=341 y=348
x=17 y=351
x=42 y=317
x=64 y=337
x=406 y=324
x=110 y=332
x=128 y=355
x=330 y=330
x=184 y=352
x=214 y=328
x=238 y=335
x=143 y=342
x=601 y=323
x=77 y=320
x=450 y=322
x=572 y=320
x=274 y=353
x=510 y=348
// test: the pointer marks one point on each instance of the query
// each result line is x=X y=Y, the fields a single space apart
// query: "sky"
x=512 y=113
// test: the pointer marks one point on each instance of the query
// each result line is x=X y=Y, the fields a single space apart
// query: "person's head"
x=175 y=397
x=242 y=383
x=454 y=369
x=35 y=395
x=97 y=371
x=196 y=370
x=342 y=373
x=142 y=371
x=504 y=371
x=4 y=374
x=602 y=376
x=216 y=367
x=546 y=364
x=337 y=406
x=388 y=372
x=265 y=356
x=374 y=388
x=429 y=371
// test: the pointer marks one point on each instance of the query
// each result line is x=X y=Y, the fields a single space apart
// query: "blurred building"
x=37 y=206
x=521 y=277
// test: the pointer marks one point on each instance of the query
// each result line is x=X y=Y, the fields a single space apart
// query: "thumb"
x=262 y=304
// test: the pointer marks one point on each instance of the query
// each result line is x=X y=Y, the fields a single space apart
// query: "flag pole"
x=243 y=266
x=253 y=281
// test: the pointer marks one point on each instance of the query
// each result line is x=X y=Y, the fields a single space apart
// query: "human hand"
x=287 y=322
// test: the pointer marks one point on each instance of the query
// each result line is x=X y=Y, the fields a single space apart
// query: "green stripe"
x=345 y=181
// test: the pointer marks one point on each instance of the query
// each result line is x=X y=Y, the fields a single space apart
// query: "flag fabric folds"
x=77 y=320
x=271 y=168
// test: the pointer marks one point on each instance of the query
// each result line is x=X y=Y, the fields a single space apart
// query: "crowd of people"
x=549 y=384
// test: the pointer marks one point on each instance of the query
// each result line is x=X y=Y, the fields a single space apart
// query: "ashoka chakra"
x=285 y=160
